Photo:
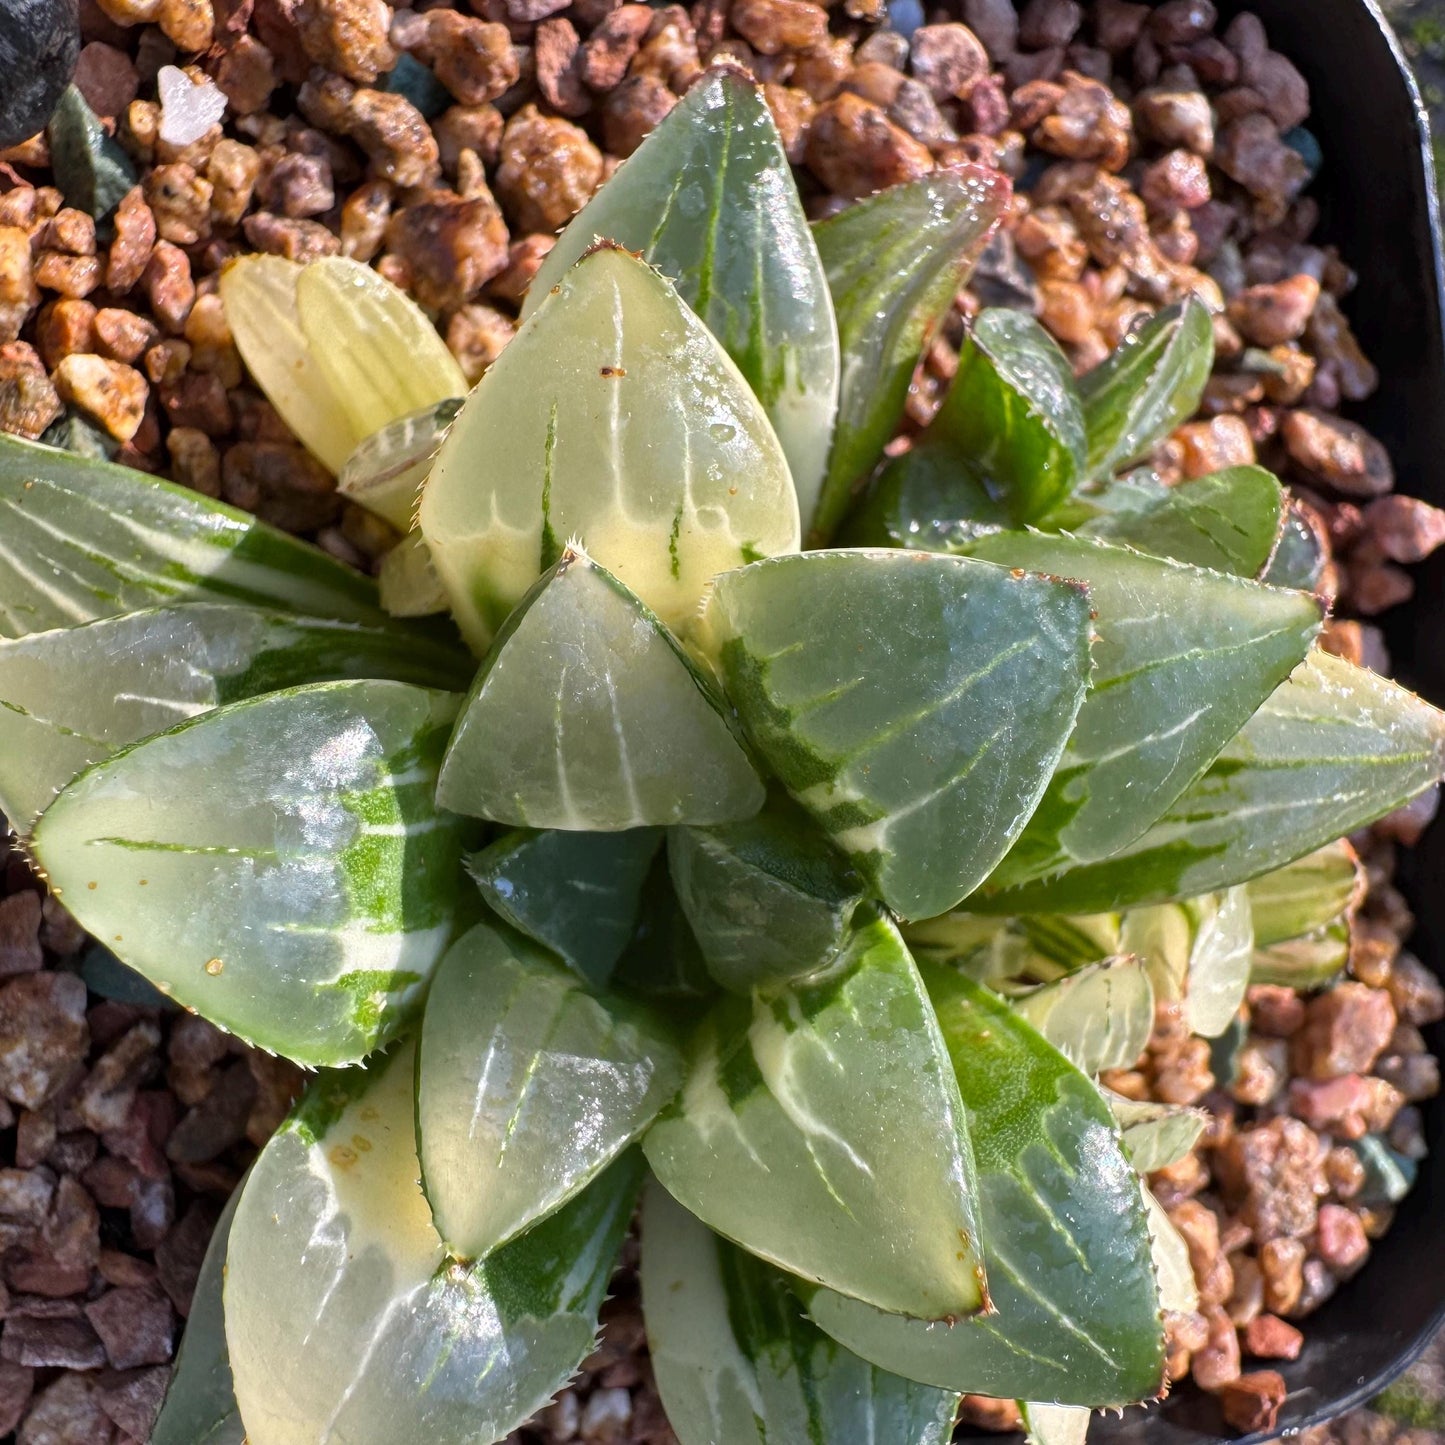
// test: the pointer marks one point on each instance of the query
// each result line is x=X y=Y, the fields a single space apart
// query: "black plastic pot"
x=1377 y=190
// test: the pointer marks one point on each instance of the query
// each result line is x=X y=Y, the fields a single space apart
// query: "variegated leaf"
x=344 y=1318
x=528 y=1086
x=894 y=263
x=292 y=847
x=1182 y=659
x=338 y=350
x=587 y=715
x=710 y=200
x=82 y=539
x=386 y=470
x=73 y=697
x=581 y=431
x=914 y=704
x=820 y=1128
x=1156 y=1135
x=1196 y=953
x=1065 y=1232
x=1334 y=748
x=738 y=1363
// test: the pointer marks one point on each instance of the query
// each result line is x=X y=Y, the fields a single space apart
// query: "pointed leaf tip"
x=587 y=715
x=914 y=704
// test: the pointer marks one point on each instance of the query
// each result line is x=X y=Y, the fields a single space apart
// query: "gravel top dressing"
x=1156 y=155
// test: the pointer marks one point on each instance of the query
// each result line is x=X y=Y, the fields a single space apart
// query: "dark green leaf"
x=1182 y=658
x=820 y=1128
x=894 y=263
x=587 y=715
x=768 y=899
x=738 y=1363
x=73 y=697
x=923 y=499
x=1065 y=1232
x=710 y=200
x=74 y=433
x=1334 y=748
x=1150 y=385
x=82 y=539
x=90 y=168
x=528 y=1086
x=914 y=704
x=662 y=961
x=106 y=975
x=278 y=865
x=200 y=1403
x=1011 y=421
x=576 y=893
x=344 y=1317
x=1229 y=521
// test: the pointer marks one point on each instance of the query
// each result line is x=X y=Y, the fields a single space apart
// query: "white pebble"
x=188 y=110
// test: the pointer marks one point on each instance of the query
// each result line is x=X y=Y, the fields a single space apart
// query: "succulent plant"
x=817 y=885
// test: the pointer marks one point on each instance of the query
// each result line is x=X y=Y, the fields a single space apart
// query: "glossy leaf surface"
x=1229 y=521
x=1147 y=387
x=710 y=200
x=528 y=1086
x=73 y=697
x=1065 y=1234
x=821 y=1129
x=914 y=704
x=1333 y=748
x=1012 y=419
x=738 y=1363
x=200 y=1403
x=291 y=843
x=587 y=715
x=894 y=263
x=1098 y=1018
x=333 y=1245
x=578 y=894
x=581 y=430
x=386 y=471
x=1183 y=657
x=82 y=539
x=768 y=899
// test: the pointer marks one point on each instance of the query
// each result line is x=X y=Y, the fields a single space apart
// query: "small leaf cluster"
x=805 y=892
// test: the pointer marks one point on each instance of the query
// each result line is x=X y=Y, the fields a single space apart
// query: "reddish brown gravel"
x=1155 y=156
